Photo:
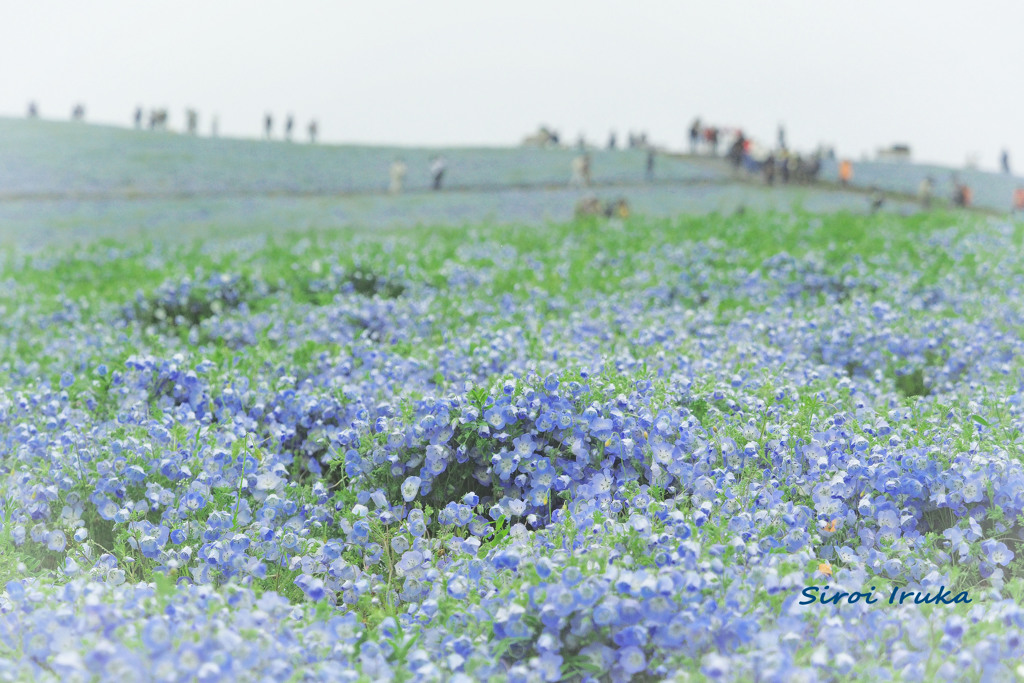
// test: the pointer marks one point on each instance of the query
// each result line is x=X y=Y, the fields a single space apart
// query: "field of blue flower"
x=584 y=451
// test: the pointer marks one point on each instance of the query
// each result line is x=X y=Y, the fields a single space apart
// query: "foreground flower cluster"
x=589 y=452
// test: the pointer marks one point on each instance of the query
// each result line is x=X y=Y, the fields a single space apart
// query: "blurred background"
x=119 y=117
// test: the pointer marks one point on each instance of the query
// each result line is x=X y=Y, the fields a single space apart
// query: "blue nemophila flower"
x=56 y=541
x=996 y=552
x=300 y=460
x=411 y=488
x=193 y=501
x=632 y=660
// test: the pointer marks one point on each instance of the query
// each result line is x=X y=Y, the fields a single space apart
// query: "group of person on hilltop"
x=708 y=135
x=289 y=124
x=633 y=141
x=780 y=162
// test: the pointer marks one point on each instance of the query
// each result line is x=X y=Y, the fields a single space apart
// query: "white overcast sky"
x=945 y=77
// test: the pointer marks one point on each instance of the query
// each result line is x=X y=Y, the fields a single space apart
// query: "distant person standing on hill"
x=214 y=127
x=1004 y=159
x=437 y=169
x=268 y=125
x=768 y=168
x=33 y=112
x=398 y=170
x=694 y=135
x=713 y=140
x=611 y=140
x=845 y=172
x=289 y=123
x=649 y=170
x=312 y=131
x=782 y=137
x=138 y=117
x=737 y=150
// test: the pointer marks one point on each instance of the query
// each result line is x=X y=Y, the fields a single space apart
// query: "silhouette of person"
x=845 y=172
x=289 y=123
x=611 y=140
x=580 y=171
x=437 y=169
x=769 y=170
x=962 y=194
x=737 y=150
x=924 y=192
x=312 y=131
x=138 y=117
x=649 y=171
x=33 y=112
x=268 y=125
x=1004 y=160
x=398 y=170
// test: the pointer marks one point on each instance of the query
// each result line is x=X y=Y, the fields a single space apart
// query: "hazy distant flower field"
x=593 y=451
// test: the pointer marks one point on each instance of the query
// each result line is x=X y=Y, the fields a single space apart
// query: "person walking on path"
x=437 y=169
x=580 y=171
x=398 y=171
x=962 y=194
x=649 y=170
x=845 y=172
x=924 y=192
